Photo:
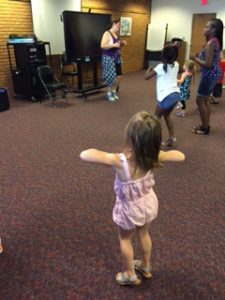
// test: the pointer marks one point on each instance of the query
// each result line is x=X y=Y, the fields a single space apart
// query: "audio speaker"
x=4 y=100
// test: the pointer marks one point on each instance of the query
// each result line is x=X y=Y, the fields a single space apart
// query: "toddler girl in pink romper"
x=136 y=202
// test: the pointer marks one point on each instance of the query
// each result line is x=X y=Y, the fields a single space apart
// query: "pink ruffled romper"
x=136 y=202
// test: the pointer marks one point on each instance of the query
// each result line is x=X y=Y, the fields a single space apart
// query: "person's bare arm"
x=101 y=157
x=172 y=155
x=123 y=43
x=112 y=159
x=106 y=42
x=209 y=51
x=181 y=80
x=150 y=73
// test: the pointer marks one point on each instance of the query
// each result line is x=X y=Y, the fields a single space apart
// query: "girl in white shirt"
x=166 y=85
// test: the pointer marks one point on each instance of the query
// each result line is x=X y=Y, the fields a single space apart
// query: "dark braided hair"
x=169 y=55
x=217 y=25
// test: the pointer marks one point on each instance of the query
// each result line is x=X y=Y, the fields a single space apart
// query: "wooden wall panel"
x=16 y=17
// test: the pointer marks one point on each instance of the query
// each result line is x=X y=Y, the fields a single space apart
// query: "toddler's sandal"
x=123 y=279
x=145 y=272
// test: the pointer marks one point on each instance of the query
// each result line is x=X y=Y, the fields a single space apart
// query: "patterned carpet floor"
x=56 y=225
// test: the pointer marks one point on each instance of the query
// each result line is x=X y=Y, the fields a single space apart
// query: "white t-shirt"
x=166 y=83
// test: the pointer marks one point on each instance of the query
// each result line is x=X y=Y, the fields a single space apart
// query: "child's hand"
x=149 y=73
x=193 y=56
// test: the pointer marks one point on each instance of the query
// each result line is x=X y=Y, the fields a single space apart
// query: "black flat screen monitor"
x=83 y=33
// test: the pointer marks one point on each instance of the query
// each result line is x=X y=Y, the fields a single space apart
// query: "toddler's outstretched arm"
x=97 y=156
x=172 y=155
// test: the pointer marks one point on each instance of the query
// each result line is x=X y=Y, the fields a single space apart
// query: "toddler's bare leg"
x=126 y=249
x=145 y=243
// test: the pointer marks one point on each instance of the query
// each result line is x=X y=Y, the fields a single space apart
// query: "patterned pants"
x=108 y=70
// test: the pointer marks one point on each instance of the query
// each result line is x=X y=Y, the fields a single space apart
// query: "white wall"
x=178 y=15
x=46 y=20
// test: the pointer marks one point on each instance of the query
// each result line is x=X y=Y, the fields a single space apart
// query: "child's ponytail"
x=169 y=55
x=165 y=67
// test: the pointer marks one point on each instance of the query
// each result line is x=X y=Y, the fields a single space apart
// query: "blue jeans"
x=206 y=87
x=169 y=102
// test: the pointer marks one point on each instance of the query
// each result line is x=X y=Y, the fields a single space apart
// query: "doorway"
x=198 y=24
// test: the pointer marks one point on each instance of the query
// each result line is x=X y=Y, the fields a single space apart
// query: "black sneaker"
x=201 y=130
